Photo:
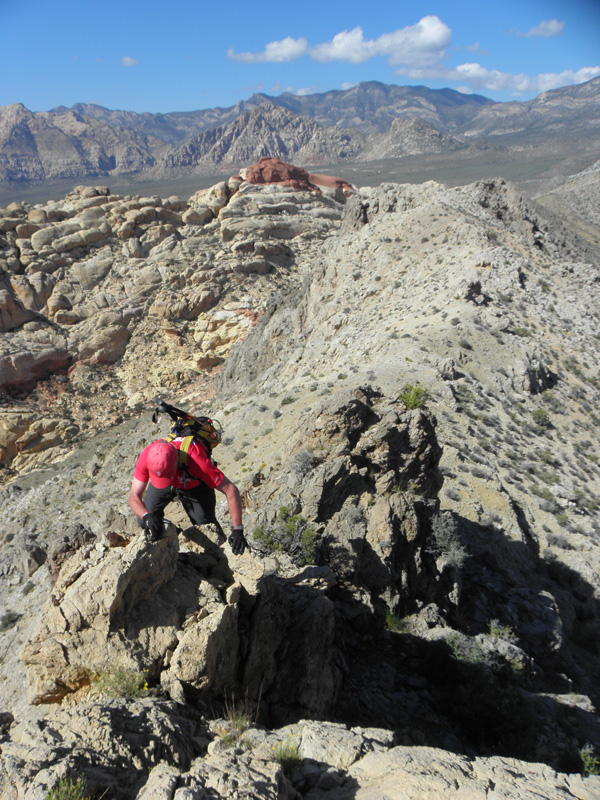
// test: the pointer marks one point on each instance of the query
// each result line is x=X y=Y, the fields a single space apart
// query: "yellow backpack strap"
x=183 y=451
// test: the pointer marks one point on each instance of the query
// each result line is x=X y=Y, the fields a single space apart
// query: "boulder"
x=33 y=290
x=82 y=238
x=99 y=594
x=198 y=215
x=129 y=738
x=47 y=235
x=12 y=312
x=92 y=271
x=411 y=773
x=24 y=368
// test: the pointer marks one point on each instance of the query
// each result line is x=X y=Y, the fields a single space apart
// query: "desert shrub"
x=239 y=719
x=558 y=540
x=590 y=763
x=503 y=632
x=464 y=648
x=119 y=682
x=303 y=462
x=446 y=540
x=541 y=418
x=452 y=493
x=288 y=533
x=8 y=620
x=68 y=789
x=413 y=396
x=393 y=622
x=287 y=753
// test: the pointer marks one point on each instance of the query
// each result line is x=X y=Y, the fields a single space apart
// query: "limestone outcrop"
x=107 y=595
x=99 y=279
x=329 y=762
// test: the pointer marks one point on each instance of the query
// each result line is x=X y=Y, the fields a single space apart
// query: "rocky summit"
x=406 y=378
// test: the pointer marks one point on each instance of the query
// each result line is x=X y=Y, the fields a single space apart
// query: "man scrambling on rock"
x=159 y=473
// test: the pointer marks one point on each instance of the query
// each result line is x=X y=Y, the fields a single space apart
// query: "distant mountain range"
x=369 y=121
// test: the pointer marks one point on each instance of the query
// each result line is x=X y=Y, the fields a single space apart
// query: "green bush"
x=541 y=418
x=504 y=632
x=120 y=682
x=288 y=533
x=590 y=763
x=68 y=789
x=8 y=620
x=395 y=623
x=464 y=648
x=414 y=396
x=287 y=753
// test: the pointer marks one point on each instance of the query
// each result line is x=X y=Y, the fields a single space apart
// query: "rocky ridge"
x=368 y=122
x=63 y=144
x=455 y=545
x=276 y=132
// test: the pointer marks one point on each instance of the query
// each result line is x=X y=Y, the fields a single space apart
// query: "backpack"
x=190 y=428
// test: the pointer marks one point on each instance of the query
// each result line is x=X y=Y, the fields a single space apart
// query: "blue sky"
x=145 y=55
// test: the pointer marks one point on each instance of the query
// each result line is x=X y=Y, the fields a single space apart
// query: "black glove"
x=237 y=542
x=153 y=525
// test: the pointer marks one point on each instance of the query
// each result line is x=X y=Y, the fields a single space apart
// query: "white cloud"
x=419 y=51
x=546 y=29
x=418 y=45
x=476 y=77
x=345 y=46
x=127 y=61
x=287 y=49
x=307 y=90
x=348 y=85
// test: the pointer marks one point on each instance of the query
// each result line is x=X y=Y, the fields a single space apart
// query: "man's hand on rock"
x=153 y=525
x=237 y=541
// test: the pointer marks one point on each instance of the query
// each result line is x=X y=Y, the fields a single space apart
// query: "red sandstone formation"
x=272 y=170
